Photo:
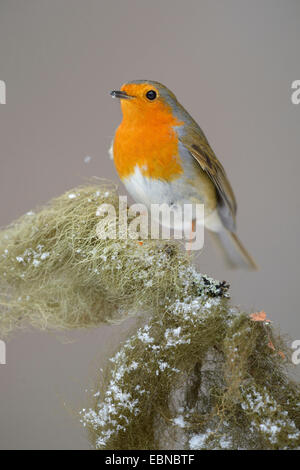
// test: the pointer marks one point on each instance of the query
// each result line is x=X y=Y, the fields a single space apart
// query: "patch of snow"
x=179 y=421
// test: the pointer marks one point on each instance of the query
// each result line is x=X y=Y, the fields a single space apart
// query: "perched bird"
x=163 y=156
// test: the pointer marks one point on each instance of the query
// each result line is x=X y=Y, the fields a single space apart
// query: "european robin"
x=163 y=156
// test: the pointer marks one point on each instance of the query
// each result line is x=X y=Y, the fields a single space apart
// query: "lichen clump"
x=198 y=375
x=55 y=271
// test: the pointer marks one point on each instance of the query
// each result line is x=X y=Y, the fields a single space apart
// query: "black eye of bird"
x=151 y=95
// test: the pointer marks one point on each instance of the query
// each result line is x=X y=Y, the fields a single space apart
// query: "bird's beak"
x=120 y=94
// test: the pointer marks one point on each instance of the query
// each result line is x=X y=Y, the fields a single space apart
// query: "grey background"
x=231 y=63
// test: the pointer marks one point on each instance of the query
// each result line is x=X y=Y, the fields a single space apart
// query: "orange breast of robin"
x=148 y=141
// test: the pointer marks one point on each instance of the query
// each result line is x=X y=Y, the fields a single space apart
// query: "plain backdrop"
x=231 y=63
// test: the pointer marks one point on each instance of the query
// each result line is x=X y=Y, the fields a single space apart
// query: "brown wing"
x=200 y=149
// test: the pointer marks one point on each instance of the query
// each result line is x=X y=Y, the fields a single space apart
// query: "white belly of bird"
x=154 y=192
x=147 y=190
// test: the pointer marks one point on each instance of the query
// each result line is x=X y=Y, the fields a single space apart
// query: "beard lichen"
x=198 y=374
x=57 y=272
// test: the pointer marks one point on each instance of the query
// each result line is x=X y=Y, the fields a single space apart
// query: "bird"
x=163 y=156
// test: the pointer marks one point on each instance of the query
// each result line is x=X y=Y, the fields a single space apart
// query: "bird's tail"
x=234 y=252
